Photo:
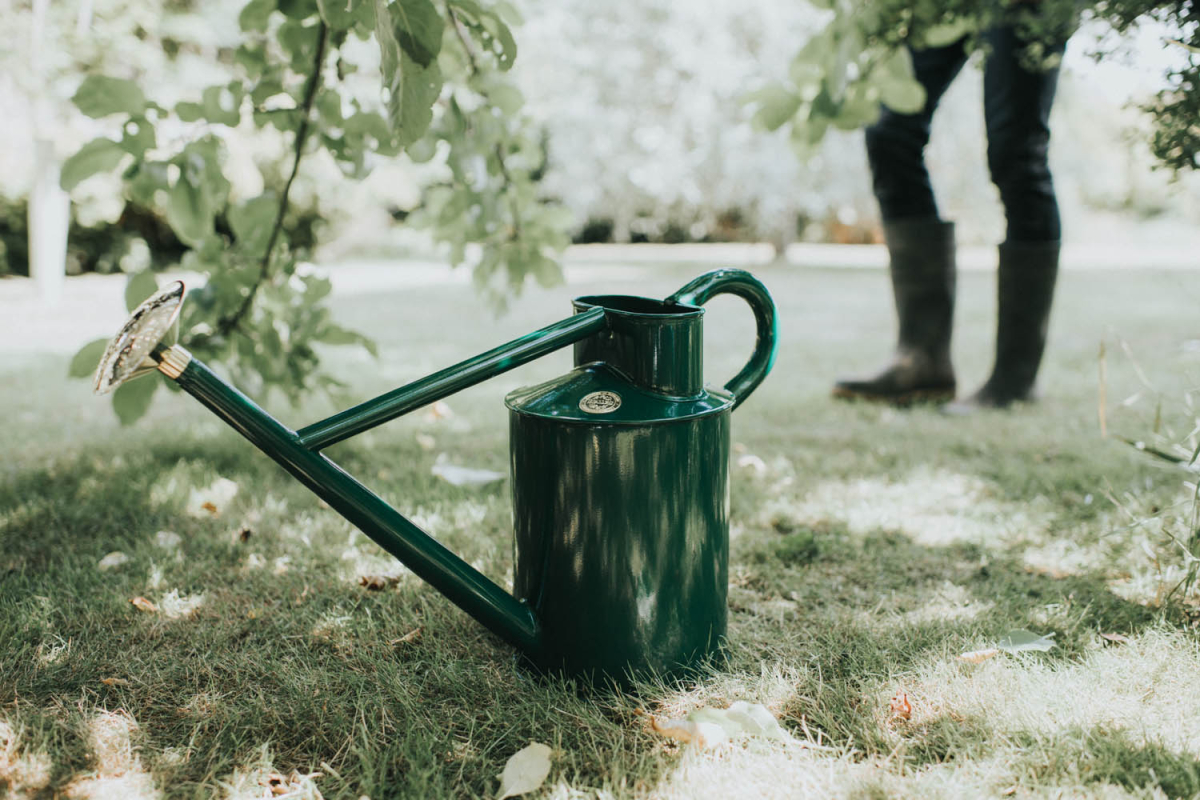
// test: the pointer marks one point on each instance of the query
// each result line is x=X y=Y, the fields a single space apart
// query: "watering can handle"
x=750 y=289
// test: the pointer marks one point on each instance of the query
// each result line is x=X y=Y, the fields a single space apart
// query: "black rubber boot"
x=923 y=280
x=1025 y=291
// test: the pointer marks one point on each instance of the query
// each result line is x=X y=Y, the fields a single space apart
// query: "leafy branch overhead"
x=443 y=99
x=860 y=61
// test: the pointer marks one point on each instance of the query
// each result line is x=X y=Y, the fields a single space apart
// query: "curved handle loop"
x=750 y=289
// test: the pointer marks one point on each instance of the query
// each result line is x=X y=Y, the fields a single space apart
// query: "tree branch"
x=513 y=208
x=227 y=324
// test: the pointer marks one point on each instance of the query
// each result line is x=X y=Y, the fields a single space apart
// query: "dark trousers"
x=1017 y=105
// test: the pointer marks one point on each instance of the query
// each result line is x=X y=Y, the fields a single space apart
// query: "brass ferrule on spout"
x=173 y=360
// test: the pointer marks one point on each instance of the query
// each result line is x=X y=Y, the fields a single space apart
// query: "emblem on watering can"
x=620 y=474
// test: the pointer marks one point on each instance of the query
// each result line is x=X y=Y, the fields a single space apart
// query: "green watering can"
x=620 y=474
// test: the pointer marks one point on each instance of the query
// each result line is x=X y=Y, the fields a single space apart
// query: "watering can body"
x=620 y=476
x=620 y=482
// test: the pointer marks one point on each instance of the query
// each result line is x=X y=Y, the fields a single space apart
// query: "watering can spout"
x=138 y=348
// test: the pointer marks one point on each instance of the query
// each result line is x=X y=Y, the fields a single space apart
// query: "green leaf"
x=776 y=106
x=188 y=111
x=898 y=89
x=222 y=104
x=145 y=179
x=254 y=15
x=947 y=33
x=131 y=400
x=252 y=221
x=505 y=97
x=1021 y=639
x=140 y=286
x=491 y=31
x=85 y=360
x=413 y=91
x=98 y=155
x=340 y=15
x=298 y=9
x=905 y=96
x=336 y=334
x=138 y=136
x=99 y=95
x=188 y=211
x=418 y=29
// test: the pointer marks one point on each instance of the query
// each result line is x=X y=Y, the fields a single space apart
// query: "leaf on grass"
x=377 y=583
x=979 y=656
x=242 y=535
x=114 y=681
x=210 y=500
x=411 y=636
x=753 y=462
x=1021 y=640
x=742 y=718
x=525 y=771
x=1115 y=638
x=710 y=726
x=113 y=560
x=439 y=411
x=167 y=540
x=703 y=734
x=464 y=476
x=142 y=604
x=900 y=707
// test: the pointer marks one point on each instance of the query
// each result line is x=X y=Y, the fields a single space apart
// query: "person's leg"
x=920 y=245
x=1017 y=102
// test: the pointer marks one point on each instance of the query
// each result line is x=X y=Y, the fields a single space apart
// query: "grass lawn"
x=870 y=548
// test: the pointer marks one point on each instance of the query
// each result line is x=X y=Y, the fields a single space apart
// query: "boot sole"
x=913 y=397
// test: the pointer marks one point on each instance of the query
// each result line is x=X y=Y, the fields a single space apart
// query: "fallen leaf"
x=464 y=476
x=411 y=636
x=377 y=583
x=525 y=771
x=242 y=534
x=900 y=707
x=742 y=718
x=753 y=462
x=979 y=656
x=168 y=540
x=1021 y=640
x=426 y=442
x=438 y=411
x=142 y=604
x=1116 y=638
x=113 y=560
x=209 y=500
x=704 y=734
x=176 y=606
x=114 y=681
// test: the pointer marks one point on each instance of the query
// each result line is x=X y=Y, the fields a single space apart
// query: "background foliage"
x=444 y=99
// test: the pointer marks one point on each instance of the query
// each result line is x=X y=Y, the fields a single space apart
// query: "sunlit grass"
x=870 y=548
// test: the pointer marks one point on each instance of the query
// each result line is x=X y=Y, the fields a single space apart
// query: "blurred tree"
x=859 y=60
x=445 y=100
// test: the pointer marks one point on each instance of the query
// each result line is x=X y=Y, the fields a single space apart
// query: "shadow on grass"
x=322 y=671
x=1107 y=756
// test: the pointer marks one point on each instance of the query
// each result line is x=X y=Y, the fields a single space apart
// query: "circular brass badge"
x=600 y=402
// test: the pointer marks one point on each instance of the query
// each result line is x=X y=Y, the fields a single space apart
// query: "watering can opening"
x=633 y=306
x=619 y=473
